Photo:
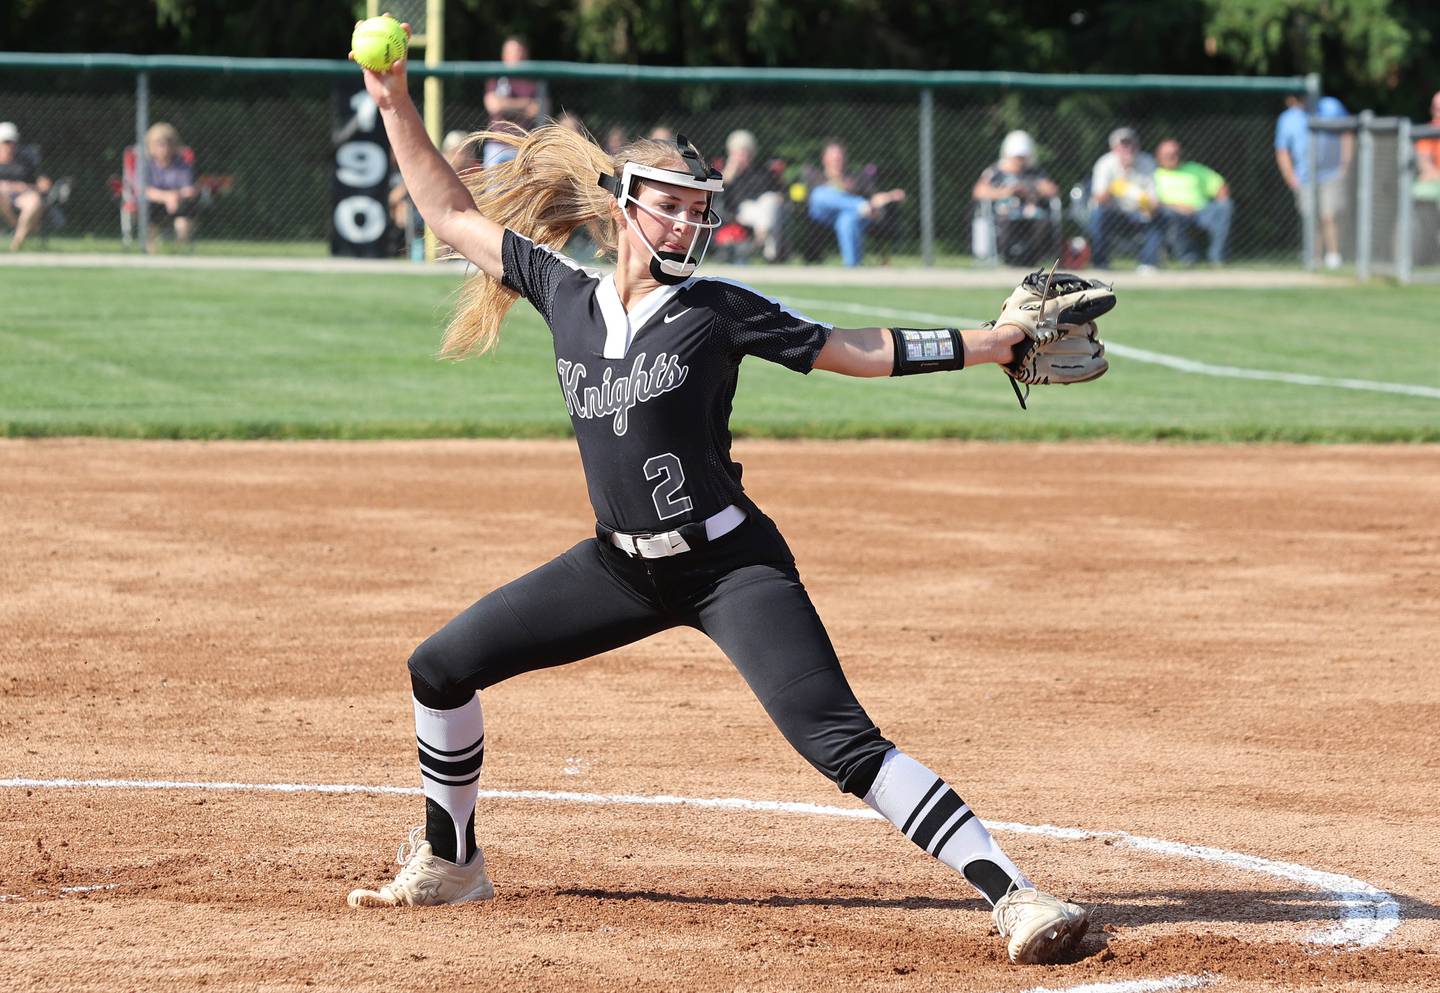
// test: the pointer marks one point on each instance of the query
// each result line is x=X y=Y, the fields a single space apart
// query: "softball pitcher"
x=647 y=361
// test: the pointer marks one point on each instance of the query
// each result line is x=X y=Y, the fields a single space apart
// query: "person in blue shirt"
x=1333 y=153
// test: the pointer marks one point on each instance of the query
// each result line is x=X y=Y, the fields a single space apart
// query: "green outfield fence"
x=262 y=136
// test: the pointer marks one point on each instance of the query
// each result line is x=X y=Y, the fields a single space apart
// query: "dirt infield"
x=1222 y=655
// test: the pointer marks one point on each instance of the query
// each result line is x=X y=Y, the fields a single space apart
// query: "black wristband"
x=927 y=350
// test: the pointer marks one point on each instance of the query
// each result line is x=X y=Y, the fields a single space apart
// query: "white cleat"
x=427 y=880
x=1040 y=928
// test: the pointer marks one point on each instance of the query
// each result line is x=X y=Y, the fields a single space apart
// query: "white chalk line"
x=1133 y=985
x=94 y=887
x=1153 y=358
x=1367 y=914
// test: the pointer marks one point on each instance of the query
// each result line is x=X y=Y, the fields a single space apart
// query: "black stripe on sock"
x=446 y=782
x=461 y=768
x=440 y=751
x=989 y=879
x=944 y=809
x=951 y=833
x=921 y=805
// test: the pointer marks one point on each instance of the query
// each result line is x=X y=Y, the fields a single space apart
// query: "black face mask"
x=660 y=275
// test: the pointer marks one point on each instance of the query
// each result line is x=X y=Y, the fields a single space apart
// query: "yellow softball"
x=379 y=42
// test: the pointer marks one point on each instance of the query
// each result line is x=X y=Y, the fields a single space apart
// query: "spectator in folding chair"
x=1022 y=203
x=1193 y=198
x=1122 y=195
x=170 y=185
x=837 y=202
x=23 y=188
x=752 y=198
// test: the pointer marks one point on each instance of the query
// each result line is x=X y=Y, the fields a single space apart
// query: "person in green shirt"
x=1192 y=196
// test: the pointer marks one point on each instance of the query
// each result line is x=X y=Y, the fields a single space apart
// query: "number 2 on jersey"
x=666 y=468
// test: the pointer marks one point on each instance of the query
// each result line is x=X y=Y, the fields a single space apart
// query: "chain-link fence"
x=260 y=141
x=1388 y=219
x=259 y=146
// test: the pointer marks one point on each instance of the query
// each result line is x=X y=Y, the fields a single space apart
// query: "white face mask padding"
x=670 y=267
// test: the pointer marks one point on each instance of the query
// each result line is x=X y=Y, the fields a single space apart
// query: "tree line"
x=1379 y=54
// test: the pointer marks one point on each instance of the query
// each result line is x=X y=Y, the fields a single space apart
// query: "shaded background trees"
x=1372 y=53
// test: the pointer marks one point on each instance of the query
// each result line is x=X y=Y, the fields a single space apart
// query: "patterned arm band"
x=927 y=350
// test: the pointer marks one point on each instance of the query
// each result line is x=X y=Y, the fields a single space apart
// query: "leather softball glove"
x=1057 y=311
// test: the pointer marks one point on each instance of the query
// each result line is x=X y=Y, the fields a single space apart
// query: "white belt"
x=659 y=546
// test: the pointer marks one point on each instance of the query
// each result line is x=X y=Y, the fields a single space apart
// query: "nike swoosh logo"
x=676 y=317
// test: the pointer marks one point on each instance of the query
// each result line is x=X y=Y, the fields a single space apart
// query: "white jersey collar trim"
x=617 y=324
x=620 y=327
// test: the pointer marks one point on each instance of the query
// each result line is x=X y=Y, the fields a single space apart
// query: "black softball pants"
x=742 y=591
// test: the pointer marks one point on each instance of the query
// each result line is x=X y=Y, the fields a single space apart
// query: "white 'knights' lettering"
x=617 y=395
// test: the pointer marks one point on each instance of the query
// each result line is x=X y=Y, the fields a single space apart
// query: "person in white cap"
x=22 y=187
x=752 y=194
x=1020 y=193
x=1122 y=196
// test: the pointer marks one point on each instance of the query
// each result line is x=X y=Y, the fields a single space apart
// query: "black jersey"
x=649 y=392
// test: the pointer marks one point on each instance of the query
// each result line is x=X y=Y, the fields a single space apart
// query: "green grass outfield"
x=245 y=354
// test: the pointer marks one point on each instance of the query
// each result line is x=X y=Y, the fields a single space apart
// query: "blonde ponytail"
x=546 y=192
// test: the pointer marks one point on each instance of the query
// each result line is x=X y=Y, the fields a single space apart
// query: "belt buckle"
x=659 y=546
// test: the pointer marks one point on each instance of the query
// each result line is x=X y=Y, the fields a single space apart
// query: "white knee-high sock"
x=931 y=814
x=452 y=750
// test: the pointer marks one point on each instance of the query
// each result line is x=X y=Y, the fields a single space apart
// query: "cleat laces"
x=410 y=845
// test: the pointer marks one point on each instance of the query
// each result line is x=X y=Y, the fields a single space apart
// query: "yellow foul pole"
x=434 y=90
